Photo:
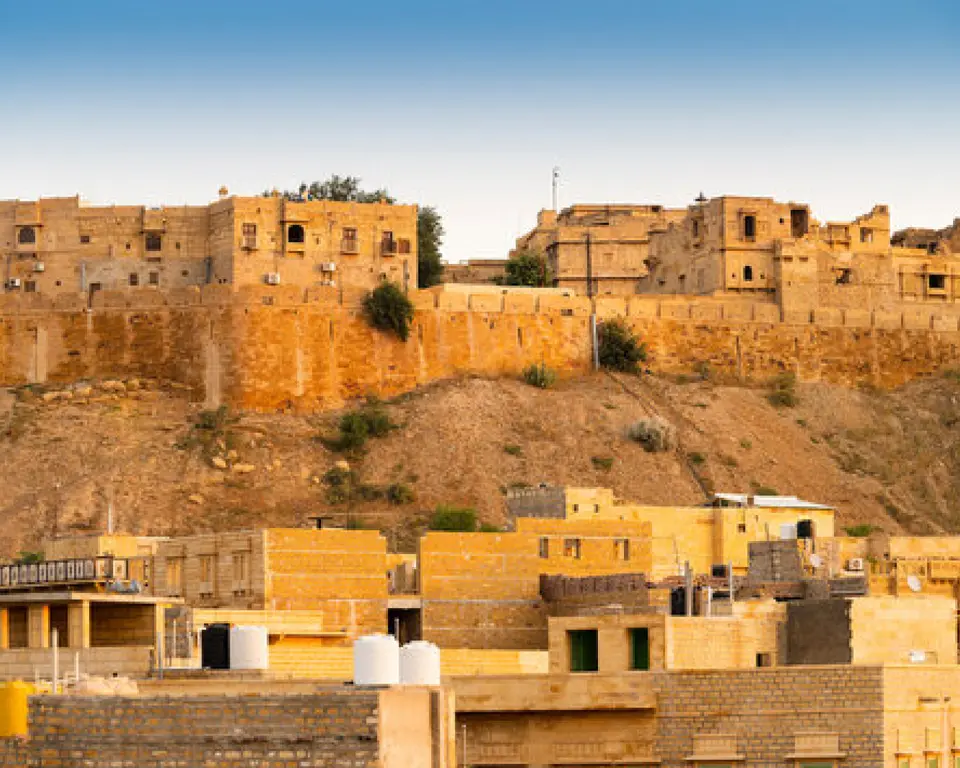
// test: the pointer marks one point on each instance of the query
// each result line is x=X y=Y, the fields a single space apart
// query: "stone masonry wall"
x=274 y=348
x=765 y=709
x=335 y=728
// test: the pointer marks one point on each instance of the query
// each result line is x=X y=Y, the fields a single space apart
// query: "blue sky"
x=468 y=105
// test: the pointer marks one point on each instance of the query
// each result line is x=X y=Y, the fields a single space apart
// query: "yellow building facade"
x=57 y=246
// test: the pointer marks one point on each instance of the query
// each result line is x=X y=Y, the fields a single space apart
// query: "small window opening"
x=764 y=660
x=27 y=235
x=544 y=547
x=748 y=274
x=937 y=282
x=295 y=234
x=153 y=278
x=749 y=227
x=153 y=242
x=640 y=648
x=30 y=286
x=84 y=239
x=696 y=228
x=844 y=276
x=184 y=273
x=798 y=222
x=866 y=235
x=623 y=549
x=134 y=278
x=583 y=650
x=571 y=548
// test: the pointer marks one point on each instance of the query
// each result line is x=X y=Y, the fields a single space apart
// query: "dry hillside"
x=887 y=459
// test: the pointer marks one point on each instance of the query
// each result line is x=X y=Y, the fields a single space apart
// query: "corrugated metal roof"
x=772 y=502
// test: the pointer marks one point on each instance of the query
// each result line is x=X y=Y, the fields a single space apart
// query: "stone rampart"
x=268 y=348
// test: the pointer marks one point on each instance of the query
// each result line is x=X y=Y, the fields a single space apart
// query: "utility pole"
x=556 y=183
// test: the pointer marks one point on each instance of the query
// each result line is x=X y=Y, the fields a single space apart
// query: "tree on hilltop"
x=527 y=267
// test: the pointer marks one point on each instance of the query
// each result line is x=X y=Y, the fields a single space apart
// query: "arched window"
x=27 y=235
x=295 y=234
x=748 y=274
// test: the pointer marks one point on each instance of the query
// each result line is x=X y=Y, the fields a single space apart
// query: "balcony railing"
x=388 y=248
x=249 y=242
x=349 y=245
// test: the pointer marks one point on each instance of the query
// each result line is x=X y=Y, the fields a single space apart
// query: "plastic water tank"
x=376 y=660
x=248 y=648
x=420 y=663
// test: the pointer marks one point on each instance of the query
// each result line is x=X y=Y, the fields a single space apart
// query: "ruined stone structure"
x=56 y=246
x=474 y=272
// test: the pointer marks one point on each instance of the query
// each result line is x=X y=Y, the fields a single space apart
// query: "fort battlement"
x=273 y=347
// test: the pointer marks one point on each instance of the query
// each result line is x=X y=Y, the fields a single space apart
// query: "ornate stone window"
x=153 y=241
x=27 y=235
x=295 y=234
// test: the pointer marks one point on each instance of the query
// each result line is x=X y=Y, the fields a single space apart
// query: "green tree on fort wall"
x=347 y=189
x=387 y=308
x=528 y=268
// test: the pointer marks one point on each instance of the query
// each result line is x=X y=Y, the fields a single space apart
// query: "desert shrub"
x=513 y=450
x=490 y=528
x=765 y=490
x=447 y=518
x=356 y=426
x=26 y=558
x=388 y=308
x=783 y=392
x=400 y=493
x=619 y=348
x=702 y=369
x=860 y=531
x=602 y=462
x=654 y=434
x=539 y=376
x=696 y=458
x=215 y=421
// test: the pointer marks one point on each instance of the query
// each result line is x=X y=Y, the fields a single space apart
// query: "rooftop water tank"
x=376 y=660
x=248 y=648
x=788 y=531
x=420 y=663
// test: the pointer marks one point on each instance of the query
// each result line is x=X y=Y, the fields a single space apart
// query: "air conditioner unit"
x=855 y=564
x=13 y=282
x=39 y=266
x=272 y=278
x=328 y=267
x=331 y=283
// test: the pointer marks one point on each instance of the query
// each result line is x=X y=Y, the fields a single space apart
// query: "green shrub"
x=490 y=528
x=619 y=348
x=460 y=519
x=860 y=531
x=399 y=494
x=527 y=268
x=26 y=558
x=356 y=426
x=539 y=376
x=513 y=450
x=746 y=444
x=215 y=421
x=388 y=308
x=696 y=458
x=654 y=434
x=783 y=392
x=602 y=462
x=702 y=369
x=765 y=490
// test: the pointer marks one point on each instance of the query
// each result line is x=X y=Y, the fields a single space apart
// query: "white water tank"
x=248 y=648
x=376 y=660
x=788 y=531
x=420 y=663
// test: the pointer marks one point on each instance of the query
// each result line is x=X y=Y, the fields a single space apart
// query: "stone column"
x=38 y=626
x=4 y=629
x=78 y=622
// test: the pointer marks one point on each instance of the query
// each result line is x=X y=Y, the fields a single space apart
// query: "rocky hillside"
x=887 y=459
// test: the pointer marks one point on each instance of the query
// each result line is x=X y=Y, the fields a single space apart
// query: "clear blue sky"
x=468 y=105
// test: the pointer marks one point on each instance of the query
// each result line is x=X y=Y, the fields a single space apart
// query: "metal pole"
x=688 y=588
x=709 y=611
x=159 y=655
x=595 y=341
x=464 y=745
x=556 y=180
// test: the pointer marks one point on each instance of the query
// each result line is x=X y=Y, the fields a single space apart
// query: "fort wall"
x=267 y=348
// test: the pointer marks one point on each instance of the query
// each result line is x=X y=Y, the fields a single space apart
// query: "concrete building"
x=56 y=246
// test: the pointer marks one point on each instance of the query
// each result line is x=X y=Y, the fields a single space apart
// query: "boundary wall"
x=269 y=348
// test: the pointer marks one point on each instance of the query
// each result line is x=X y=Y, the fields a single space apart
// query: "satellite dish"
x=914 y=583
x=816 y=561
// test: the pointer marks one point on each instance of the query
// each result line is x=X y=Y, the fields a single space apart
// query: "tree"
x=429 y=237
x=527 y=267
x=619 y=349
x=344 y=189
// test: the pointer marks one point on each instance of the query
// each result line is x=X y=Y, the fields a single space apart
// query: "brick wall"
x=336 y=728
